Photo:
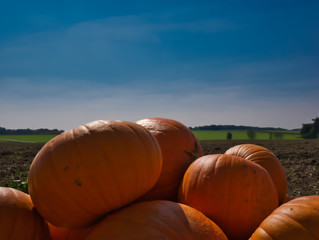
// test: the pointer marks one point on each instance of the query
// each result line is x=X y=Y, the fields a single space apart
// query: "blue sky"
x=66 y=63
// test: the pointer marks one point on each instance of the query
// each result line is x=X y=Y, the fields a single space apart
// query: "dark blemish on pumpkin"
x=77 y=182
x=291 y=209
x=66 y=168
x=77 y=166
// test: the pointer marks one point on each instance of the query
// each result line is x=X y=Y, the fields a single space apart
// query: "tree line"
x=40 y=131
x=307 y=131
x=234 y=127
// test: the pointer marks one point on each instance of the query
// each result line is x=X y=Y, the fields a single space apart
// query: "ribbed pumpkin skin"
x=235 y=193
x=69 y=234
x=93 y=169
x=18 y=217
x=157 y=220
x=297 y=219
x=179 y=149
x=267 y=160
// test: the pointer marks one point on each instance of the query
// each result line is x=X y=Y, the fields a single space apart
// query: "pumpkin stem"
x=194 y=153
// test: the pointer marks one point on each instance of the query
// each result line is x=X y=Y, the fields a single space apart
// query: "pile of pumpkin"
x=150 y=180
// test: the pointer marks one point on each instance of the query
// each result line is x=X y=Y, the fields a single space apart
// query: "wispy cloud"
x=197 y=69
x=101 y=48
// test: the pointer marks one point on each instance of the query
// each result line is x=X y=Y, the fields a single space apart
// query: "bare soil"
x=300 y=159
x=15 y=160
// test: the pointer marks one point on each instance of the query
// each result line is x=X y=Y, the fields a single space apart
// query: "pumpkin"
x=267 y=160
x=18 y=217
x=287 y=198
x=179 y=149
x=159 y=219
x=235 y=193
x=58 y=233
x=295 y=220
x=91 y=170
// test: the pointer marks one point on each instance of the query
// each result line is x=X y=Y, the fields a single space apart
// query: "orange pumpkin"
x=91 y=170
x=58 y=233
x=18 y=217
x=235 y=193
x=157 y=220
x=267 y=160
x=287 y=198
x=179 y=149
x=297 y=219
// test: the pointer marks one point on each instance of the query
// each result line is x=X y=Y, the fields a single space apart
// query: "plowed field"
x=299 y=158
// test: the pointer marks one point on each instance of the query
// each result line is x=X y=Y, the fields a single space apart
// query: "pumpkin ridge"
x=248 y=146
x=297 y=223
x=60 y=184
x=87 y=175
x=255 y=152
x=135 y=164
x=201 y=173
x=13 y=230
x=115 y=177
x=265 y=232
x=302 y=205
x=228 y=181
x=240 y=149
x=74 y=142
x=175 y=125
x=91 y=177
x=43 y=203
x=109 y=166
x=145 y=147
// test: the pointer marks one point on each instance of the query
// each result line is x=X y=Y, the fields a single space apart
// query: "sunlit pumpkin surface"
x=93 y=169
x=235 y=193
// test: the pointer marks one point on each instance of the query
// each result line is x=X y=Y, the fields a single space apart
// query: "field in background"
x=242 y=135
x=200 y=135
x=26 y=138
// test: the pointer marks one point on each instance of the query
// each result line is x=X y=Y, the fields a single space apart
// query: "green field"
x=26 y=138
x=200 y=135
x=242 y=135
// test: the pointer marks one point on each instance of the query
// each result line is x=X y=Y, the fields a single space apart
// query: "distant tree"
x=2 y=131
x=311 y=130
x=251 y=134
x=278 y=135
x=306 y=127
x=270 y=135
x=229 y=136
